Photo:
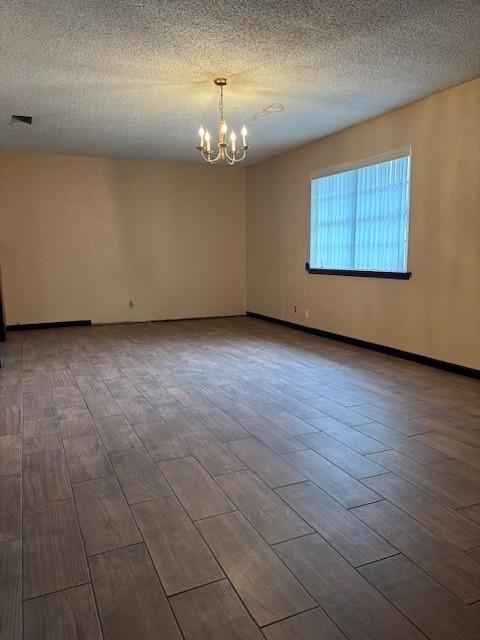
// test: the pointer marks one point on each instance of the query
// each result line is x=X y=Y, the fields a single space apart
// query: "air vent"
x=22 y=119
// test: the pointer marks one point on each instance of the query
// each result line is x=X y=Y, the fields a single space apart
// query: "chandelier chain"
x=220 y=103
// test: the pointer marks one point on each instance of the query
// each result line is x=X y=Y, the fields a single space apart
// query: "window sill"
x=392 y=275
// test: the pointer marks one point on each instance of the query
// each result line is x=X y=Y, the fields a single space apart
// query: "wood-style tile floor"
x=233 y=480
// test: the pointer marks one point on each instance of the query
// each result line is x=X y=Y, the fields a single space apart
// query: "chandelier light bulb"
x=224 y=128
x=233 y=139
x=244 y=137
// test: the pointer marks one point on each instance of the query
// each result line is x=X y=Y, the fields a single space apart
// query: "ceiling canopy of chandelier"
x=227 y=150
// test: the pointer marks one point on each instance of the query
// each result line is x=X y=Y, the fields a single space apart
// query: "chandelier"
x=228 y=151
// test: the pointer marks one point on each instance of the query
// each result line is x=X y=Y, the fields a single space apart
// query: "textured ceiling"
x=133 y=77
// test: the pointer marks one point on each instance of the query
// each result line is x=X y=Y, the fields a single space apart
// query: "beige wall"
x=80 y=237
x=437 y=312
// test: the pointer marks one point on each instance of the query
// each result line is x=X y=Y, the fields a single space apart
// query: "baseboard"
x=49 y=325
x=236 y=315
x=88 y=323
x=391 y=351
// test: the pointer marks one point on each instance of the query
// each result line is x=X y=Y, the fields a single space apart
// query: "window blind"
x=359 y=218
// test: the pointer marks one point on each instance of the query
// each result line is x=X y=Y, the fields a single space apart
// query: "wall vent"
x=22 y=119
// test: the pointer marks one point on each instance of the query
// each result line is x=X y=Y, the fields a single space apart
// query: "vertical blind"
x=359 y=218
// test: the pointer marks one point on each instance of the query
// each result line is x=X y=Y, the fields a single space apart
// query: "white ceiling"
x=133 y=78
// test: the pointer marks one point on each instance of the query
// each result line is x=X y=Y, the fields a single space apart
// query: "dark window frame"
x=390 y=275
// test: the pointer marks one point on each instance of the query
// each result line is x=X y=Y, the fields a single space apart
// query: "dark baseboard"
x=237 y=315
x=49 y=325
x=391 y=351
x=88 y=323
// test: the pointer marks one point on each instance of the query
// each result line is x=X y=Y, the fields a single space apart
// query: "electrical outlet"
x=307 y=313
x=130 y=304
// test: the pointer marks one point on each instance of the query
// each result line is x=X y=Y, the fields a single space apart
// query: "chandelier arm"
x=211 y=160
x=235 y=157
x=223 y=153
x=208 y=157
x=230 y=156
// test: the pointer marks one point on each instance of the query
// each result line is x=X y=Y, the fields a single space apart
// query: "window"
x=359 y=220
